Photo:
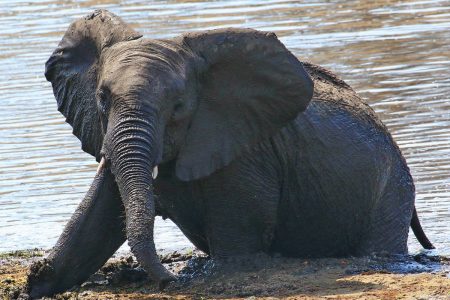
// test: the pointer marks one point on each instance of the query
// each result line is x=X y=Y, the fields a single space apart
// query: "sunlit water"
x=396 y=55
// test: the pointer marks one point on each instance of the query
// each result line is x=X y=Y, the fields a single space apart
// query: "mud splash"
x=257 y=276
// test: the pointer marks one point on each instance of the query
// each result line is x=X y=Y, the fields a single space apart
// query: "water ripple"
x=394 y=53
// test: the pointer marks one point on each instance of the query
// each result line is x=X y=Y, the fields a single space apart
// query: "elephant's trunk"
x=132 y=154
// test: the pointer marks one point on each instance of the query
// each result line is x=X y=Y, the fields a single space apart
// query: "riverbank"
x=412 y=277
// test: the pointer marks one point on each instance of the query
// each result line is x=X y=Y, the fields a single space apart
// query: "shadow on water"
x=394 y=53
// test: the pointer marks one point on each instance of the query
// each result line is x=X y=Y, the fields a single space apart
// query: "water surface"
x=396 y=55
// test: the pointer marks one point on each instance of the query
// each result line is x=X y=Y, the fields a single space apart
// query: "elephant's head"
x=200 y=100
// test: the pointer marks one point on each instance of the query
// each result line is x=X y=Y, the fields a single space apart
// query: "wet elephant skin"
x=256 y=151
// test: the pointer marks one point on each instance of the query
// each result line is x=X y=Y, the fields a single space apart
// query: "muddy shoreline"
x=258 y=277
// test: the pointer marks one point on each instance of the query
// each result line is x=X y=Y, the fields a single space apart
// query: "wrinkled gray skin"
x=242 y=168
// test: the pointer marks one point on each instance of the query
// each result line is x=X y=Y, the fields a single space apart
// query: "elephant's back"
x=337 y=116
x=337 y=111
x=338 y=127
x=331 y=90
x=342 y=159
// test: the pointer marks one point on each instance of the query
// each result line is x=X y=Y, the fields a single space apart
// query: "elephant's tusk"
x=101 y=165
x=155 y=172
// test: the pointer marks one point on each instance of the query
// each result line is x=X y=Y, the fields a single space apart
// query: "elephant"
x=226 y=133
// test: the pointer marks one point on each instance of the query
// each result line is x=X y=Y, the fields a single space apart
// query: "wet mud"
x=422 y=276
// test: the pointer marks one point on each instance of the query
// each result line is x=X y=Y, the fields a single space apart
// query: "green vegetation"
x=29 y=253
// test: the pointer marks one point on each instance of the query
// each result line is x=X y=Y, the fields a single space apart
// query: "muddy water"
x=396 y=54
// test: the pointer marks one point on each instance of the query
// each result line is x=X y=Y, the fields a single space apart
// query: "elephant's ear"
x=249 y=87
x=73 y=67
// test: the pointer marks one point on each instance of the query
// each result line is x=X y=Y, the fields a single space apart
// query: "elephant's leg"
x=93 y=234
x=391 y=217
x=176 y=201
x=241 y=209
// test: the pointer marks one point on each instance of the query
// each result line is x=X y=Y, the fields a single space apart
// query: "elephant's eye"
x=103 y=100
x=178 y=107
x=179 y=111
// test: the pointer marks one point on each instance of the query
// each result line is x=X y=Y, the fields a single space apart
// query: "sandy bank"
x=414 y=277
